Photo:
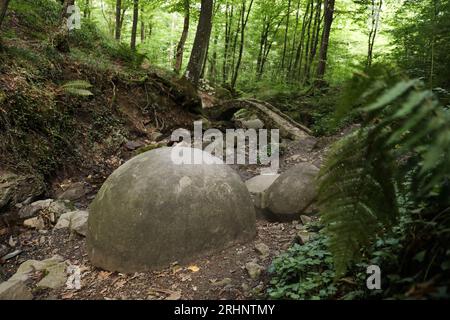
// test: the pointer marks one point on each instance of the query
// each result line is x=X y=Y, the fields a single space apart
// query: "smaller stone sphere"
x=292 y=193
x=152 y=212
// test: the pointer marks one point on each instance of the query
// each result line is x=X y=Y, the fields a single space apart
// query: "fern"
x=77 y=88
x=402 y=150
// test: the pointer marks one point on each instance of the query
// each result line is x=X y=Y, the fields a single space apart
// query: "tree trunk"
x=375 y=19
x=135 y=24
x=87 y=9
x=229 y=11
x=328 y=21
x=118 y=19
x=299 y=55
x=244 y=21
x=180 y=48
x=286 y=35
x=201 y=41
x=3 y=7
x=142 y=25
x=314 y=40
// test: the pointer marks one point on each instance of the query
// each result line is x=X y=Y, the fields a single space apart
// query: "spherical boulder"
x=152 y=211
x=293 y=193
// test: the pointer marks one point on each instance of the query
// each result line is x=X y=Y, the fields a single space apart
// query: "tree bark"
x=229 y=11
x=118 y=19
x=201 y=41
x=3 y=7
x=142 y=25
x=87 y=9
x=295 y=74
x=135 y=24
x=328 y=21
x=244 y=21
x=286 y=34
x=180 y=48
x=375 y=19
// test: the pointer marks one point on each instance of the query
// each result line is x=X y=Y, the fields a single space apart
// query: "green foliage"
x=77 y=88
x=304 y=272
x=36 y=15
x=401 y=153
x=122 y=52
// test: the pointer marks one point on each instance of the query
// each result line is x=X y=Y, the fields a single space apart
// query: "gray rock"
x=222 y=283
x=11 y=255
x=133 y=145
x=15 y=189
x=75 y=192
x=14 y=290
x=292 y=193
x=151 y=212
x=35 y=223
x=79 y=223
x=56 y=277
x=76 y=221
x=255 y=124
x=54 y=269
x=35 y=265
x=254 y=270
x=303 y=237
x=3 y=250
x=156 y=136
x=305 y=219
x=33 y=209
x=52 y=207
x=258 y=187
x=262 y=249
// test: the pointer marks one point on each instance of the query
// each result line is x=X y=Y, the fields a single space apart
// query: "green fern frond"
x=77 y=87
x=360 y=183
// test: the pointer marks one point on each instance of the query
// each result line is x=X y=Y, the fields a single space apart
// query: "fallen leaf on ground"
x=194 y=268
x=104 y=275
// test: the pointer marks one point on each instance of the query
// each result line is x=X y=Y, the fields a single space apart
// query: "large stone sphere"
x=151 y=212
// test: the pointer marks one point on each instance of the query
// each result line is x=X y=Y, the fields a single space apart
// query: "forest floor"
x=218 y=276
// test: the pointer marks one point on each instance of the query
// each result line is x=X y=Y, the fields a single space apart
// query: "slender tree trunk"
x=244 y=21
x=299 y=55
x=118 y=19
x=375 y=19
x=180 y=47
x=229 y=11
x=87 y=9
x=235 y=41
x=328 y=21
x=268 y=46
x=263 y=41
x=142 y=25
x=135 y=25
x=294 y=40
x=213 y=62
x=286 y=34
x=308 y=43
x=314 y=40
x=201 y=41
x=3 y=7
